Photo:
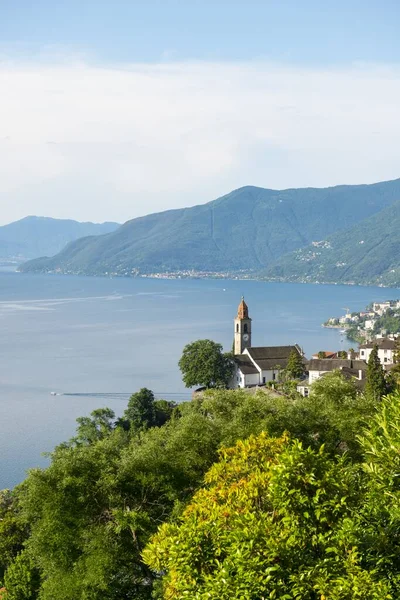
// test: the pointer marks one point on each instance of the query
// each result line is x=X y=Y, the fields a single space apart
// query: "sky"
x=112 y=110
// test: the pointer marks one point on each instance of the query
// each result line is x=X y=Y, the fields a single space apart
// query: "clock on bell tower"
x=242 y=328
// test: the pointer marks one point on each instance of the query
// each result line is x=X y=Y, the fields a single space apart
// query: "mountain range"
x=38 y=236
x=251 y=229
x=366 y=253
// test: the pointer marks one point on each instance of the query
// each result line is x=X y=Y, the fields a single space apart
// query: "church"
x=255 y=365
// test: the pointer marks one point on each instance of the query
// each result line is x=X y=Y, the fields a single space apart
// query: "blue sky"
x=111 y=110
x=299 y=31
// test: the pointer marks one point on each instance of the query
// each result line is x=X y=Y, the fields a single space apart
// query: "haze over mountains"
x=38 y=236
x=251 y=229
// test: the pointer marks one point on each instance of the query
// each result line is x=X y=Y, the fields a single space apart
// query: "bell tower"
x=242 y=322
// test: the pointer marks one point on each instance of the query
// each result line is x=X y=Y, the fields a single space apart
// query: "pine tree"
x=396 y=354
x=375 y=386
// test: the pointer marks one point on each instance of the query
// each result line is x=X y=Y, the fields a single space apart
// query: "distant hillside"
x=37 y=236
x=367 y=253
x=248 y=229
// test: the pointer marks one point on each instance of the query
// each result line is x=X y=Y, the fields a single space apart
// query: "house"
x=386 y=350
x=381 y=307
x=255 y=365
x=318 y=367
x=369 y=324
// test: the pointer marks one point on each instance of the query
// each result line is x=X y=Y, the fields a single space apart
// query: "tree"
x=342 y=354
x=13 y=532
x=22 y=579
x=141 y=412
x=270 y=523
x=204 y=364
x=96 y=427
x=396 y=353
x=375 y=386
x=295 y=366
x=321 y=354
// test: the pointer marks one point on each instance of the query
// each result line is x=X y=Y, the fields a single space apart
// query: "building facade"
x=255 y=365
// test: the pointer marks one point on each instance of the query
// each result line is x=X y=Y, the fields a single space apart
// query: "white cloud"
x=95 y=143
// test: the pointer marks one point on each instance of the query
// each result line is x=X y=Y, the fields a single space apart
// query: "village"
x=266 y=365
x=378 y=320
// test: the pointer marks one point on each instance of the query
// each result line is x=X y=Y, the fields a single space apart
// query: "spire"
x=243 y=311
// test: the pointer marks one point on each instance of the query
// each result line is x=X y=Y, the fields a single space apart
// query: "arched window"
x=245 y=328
x=237 y=327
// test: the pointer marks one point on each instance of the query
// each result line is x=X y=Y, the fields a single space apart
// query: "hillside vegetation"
x=367 y=253
x=37 y=236
x=247 y=229
x=228 y=497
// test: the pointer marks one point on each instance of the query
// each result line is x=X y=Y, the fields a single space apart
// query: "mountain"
x=248 y=229
x=35 y=236
x=367 y=253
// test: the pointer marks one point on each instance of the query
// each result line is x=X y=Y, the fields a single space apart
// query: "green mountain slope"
x=367 y=253
x=247 y=229
x=35 y=236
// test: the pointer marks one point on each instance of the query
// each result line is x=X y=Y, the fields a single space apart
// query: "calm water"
x=103 y=339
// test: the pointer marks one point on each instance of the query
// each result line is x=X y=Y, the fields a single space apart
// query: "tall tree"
x=141 y=412
x=396 y=354
x=295 y=368
x=203 y=363
x=375 y=386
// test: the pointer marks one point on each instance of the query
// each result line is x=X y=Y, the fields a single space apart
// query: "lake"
x=97 y=340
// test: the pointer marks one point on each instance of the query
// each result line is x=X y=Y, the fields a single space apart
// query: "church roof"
x=266 y=358
x=245 y=364
x=243 y=310
x=270 y=352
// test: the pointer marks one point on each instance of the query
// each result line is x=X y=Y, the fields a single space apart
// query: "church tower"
x=242 y=328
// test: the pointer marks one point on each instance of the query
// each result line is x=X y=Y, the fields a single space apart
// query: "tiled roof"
x=245 y=364
x=330 y=364
x=383 y=343
x=271 y=352
x=243 y=311
x=269 y=364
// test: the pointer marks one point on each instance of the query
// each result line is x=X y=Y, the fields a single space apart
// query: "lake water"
x=101 y=339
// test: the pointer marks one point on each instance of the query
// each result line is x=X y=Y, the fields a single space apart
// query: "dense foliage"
x=311 y=513
x=247 y=229
x=203 y=363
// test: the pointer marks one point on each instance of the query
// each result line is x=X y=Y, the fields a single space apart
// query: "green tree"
x=295 y=368
x=375 y=386
x=21 y=579
x=342 y=354
x=321 y=354
x=396 y=353
x=96 y=427
x=204 y=364
x=270 y=523
x=141 y=411
x=13 y=531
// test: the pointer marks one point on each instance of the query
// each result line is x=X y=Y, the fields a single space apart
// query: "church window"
x=237 y=327
x=245 y=328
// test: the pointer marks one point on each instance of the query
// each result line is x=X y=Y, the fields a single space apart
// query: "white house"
x=256 y=365
x=318 y=367
x=386 y=350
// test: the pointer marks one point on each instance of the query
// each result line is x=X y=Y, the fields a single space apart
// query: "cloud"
x=97 y=143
